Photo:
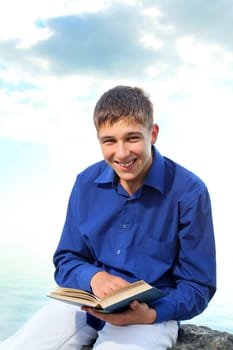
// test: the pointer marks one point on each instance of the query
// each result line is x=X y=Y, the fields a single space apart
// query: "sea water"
x=26 y=277
x=18 y=302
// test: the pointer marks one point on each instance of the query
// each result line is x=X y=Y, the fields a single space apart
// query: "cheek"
x=107 y=152
x=145 y=150
x=147 y=153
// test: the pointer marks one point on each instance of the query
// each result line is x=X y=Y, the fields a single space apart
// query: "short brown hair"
x=124 y=102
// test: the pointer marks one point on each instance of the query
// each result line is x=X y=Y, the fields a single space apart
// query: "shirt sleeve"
x=73 y=260
x=194 y=271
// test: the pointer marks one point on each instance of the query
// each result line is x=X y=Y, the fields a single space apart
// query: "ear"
x=154 y=133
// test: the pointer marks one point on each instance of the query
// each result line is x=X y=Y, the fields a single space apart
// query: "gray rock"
x=200 y=338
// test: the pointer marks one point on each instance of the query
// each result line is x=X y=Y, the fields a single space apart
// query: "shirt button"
x=118 y=252
x=124 y=226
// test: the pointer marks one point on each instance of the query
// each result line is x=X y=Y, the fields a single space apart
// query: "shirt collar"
x=156 y=174
x=154 y=178
x=107 y=176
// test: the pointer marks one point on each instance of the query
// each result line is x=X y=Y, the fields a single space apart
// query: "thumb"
x=134 y=305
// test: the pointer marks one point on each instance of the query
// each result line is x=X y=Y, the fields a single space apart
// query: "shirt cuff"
x=165 y=309
x=86 y=275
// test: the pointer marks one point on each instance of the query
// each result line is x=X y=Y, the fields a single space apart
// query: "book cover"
x=115 y=301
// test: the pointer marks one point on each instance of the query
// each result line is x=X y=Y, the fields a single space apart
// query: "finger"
x=134 y=305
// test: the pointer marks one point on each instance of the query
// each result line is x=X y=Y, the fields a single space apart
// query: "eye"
x=108 y=141
x=133 y=138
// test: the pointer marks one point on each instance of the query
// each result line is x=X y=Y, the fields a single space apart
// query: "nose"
x=122 y=151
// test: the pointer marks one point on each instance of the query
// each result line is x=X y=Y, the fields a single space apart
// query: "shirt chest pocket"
x=154 y=258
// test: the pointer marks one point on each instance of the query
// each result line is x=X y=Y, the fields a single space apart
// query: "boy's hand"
x=138 y=313
x=103 y=283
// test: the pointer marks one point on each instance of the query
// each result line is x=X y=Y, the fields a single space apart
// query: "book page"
x=73 y=300
x=74 y=293
x=125 y=292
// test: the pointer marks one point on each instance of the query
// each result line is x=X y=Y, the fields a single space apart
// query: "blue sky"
x=58 y=57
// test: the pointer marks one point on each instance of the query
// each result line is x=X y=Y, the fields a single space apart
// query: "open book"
x=115 y=301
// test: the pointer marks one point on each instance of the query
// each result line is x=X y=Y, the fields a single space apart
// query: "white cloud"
x=26 y=20
x=152 y=12
x=151 y=41
x=211 y=60
x=17 y=20
x=47 y=114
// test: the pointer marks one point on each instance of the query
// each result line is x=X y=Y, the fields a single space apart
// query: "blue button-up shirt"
x=163 y=234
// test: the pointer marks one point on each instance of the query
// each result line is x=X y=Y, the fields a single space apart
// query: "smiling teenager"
x=126 y=147
x=134 y=215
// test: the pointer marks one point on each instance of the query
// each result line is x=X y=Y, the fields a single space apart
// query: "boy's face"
x=126 y=147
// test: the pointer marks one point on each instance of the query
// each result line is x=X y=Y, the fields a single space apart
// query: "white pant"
x=59 y=326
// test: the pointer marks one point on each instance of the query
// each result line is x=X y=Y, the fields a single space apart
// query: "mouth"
x=127 y=165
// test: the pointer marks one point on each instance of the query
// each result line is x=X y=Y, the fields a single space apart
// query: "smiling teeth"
x=127 y=164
